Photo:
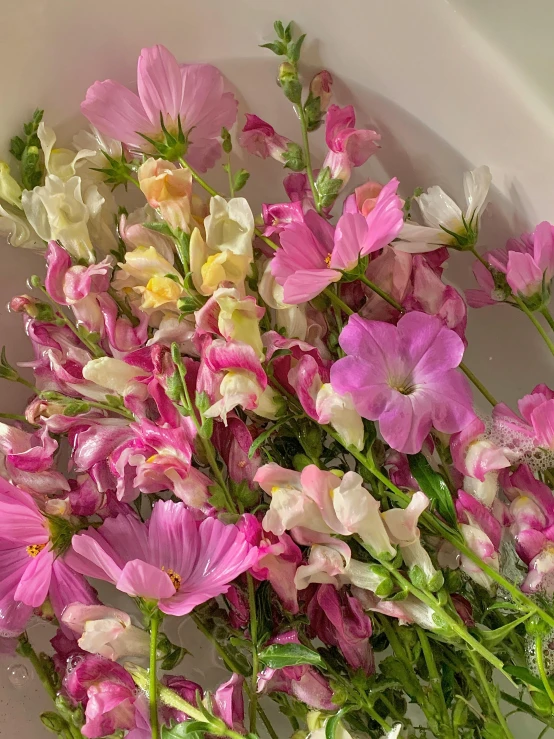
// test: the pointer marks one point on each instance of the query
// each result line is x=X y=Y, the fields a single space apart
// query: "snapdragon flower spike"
x=404 y=377
x=32 y=566
x=177 y=560
x=313 y=254
x=537 y=410
x=180 y=106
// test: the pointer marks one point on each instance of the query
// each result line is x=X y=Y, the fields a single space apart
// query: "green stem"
x=478 y=384
x=531 y=316
x=231 y=665
x=490 y=694
x=195 y=176
x=434 y=677
x=254 y=637
x=399 y=651
x=483 y=261
x=307 y=155
x=524 y=708
x=548 y=316
x=25 y=648
x=23 y=381
x=153 y=681
x=230 y=177
x=383 y=723
x=381 y=293
x=542 y=669
x=123 y=307
x=15 y=417
x=336 y=301
x=106 y=407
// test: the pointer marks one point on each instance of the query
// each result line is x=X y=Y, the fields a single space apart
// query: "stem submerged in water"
x=153 y=681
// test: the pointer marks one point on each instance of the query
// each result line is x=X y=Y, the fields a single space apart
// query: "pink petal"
x=117 y=112
x=58 y=262
x=160 y=84
x=350 y=236
x=143 y=580
x=33 y=586
x=305 y=285
x=523 y=274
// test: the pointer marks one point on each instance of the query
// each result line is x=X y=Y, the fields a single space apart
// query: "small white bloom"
x=62 y=163
x=241 y=388
x=291 y=318
x=339 y=411
x=446 y=223
x=230 y=226
x=114 y=375
x=478 y=542
x=484 y=490
x=106 y=631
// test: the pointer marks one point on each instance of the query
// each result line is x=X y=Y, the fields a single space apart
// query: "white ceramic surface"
x=439 y=81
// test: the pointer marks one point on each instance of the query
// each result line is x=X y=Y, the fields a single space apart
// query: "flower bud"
x=10 y=191
x=320 y=87
x=288 y=79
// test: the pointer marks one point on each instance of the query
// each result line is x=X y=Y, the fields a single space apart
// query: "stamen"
x=174 y=577
x=328 y=259
x=33 y=550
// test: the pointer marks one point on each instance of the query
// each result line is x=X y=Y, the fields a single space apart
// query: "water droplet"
x=18 y=675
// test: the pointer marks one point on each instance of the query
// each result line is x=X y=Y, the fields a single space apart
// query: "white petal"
x=476 y=188
x=438 y=209
x=112 y=374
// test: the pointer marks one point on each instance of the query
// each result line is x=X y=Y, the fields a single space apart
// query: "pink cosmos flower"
x=303 y=682
x=531 y=261
x=261 y=139
x=312 y=253
x=404 y=377
x=108 y=693
x=175 y=560
x=348 y=146
x=30 y=569
x=191 y=92
x=338 y=620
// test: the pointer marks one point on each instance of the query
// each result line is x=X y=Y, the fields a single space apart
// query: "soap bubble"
x=18 y=675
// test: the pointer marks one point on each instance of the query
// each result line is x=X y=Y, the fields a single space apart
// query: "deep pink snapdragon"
x=261 y=139
x=175 y=560
x=348 y=146
x=192 y=92
x=405 y=377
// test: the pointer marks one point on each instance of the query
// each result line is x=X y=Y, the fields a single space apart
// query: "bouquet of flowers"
x=269 y=430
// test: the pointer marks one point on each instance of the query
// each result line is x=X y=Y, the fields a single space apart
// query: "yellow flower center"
x=174 y=577
x=328 y=259
x=33 y=550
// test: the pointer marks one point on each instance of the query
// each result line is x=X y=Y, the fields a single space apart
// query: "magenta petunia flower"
x=404 y=377
x=175 y=560
x=30 y=568
x=191 y=92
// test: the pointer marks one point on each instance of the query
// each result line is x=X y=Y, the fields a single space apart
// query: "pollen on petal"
x=33 y=550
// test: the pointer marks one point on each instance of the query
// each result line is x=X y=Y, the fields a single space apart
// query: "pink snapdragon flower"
x=261 y=139
x=303 y=682
x=30 y=569
x=530 y=262
x=277 y=216
x=537 y=410
x=348 y=146
x=404 y=377
x=339 y=621
x=106 y=631
x=167 y=89
x=175 y=560
x=312 y=253
x=108 y=693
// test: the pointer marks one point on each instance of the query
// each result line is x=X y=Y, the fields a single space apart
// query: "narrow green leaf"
x=277 y=656
x=497 y=635
x=262 y=438
x=434 y=487
x=276 y=47
x=332 y=723
x=525 y=676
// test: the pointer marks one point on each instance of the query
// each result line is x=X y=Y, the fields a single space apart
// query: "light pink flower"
x=391 y=270
x=531 y=261
x=228 y=703
x=404 y=376
x=168 y=189
x=348 y=146
x=320 y=87
x=193 y=92
x=176 y=560
x=68 y=284
x=475 y=456
x=261 y=139
x=106 y=631
x=312 y=253
x=30 y=568
x=537 y=410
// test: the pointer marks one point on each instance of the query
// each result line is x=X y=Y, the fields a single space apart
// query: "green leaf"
x=525 y=676
x=279 y=29
x=17 y=147
x=294 y=48
x=276 y=47
x=226 y=143
x=53 y=722
x=294 y=157
x=262 y=438
x=187 y=305
x=173 y=658
x=162 y=228
x=434 y=487
x=240 y=179
x=277 y=656
x=288 y=32
x=217 y=497
x=495 y=636
x=188 y=729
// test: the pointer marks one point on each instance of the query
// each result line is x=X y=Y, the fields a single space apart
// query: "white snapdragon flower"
x=446 y=224
x=112 y=376
x=291 y=318
x=62 y=163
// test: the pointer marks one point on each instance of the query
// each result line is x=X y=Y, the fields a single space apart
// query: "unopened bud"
x=288 y=79
x=320 y=87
